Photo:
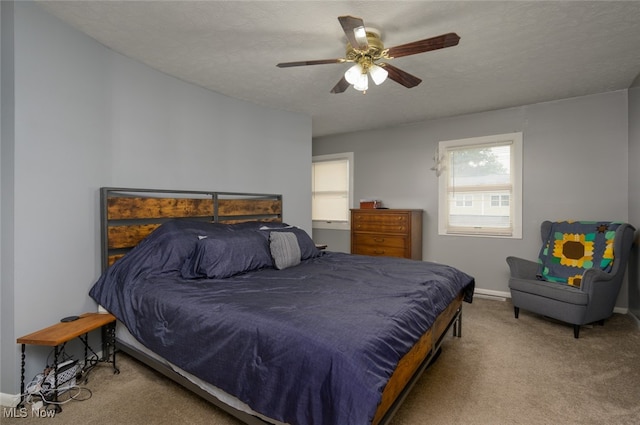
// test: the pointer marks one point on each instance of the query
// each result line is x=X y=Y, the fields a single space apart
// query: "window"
x=480 y=188
x=463 y=200
x=499 y=200
x=332 y=189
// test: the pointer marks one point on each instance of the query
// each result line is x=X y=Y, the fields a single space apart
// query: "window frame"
x=514 y=197
x=336 y=225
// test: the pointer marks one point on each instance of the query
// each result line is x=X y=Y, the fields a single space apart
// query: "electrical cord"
x=69 y=391
x=40 y=387
x=73 y=392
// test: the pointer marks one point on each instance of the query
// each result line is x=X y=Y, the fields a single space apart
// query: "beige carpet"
x=502 y=371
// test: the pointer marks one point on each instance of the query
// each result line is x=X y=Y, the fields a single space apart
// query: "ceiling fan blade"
x=341 y=86
x=304 y=63
x=354 y=30
x=401 y=77
x=426 y=45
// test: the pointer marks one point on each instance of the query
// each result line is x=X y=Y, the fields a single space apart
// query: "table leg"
x=56 y=353
x=85 y=341
x=111 y=342
x=22 y=377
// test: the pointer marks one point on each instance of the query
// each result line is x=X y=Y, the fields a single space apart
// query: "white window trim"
x=337 y=225
x=516 y=170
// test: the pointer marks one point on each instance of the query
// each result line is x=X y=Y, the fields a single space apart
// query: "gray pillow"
x=227 y=255
x=285 y=250
x=307 y=246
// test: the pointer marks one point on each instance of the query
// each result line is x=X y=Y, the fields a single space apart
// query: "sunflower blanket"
x=571 y=247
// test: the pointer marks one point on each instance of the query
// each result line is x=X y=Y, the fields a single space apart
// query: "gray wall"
x=634 y=195
x=6 y=184
x=87 y=117
x=575 y=167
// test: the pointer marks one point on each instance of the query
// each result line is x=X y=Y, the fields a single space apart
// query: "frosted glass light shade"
x=378 y=74
x=353 y=74
x=362 y=83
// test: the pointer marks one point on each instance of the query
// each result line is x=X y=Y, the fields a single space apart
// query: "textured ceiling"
x=511 y=53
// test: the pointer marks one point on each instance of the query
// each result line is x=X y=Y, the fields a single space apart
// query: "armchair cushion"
x=550 y=290
x=572 y=247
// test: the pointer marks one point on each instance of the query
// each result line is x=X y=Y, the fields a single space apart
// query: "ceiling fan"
x=365 y=49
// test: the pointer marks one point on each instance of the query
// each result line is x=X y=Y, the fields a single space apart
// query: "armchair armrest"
x=521 y=268
x=593 y=279
x=603 y=289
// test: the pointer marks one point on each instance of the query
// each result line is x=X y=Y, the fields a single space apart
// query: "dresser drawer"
x=377 y=218
x=362 y=239
x=379 y=251
x=395 y=223
x=371 y=227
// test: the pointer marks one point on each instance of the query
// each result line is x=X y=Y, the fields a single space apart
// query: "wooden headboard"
x=129 y=215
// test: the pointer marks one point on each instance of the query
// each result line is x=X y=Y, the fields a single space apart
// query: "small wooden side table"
x=59 y=334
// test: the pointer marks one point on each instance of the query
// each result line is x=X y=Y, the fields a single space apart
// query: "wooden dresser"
x=388 y=232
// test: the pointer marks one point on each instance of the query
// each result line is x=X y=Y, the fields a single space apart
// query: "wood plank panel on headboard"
x=140 y=208
x=129 y=236
x=130 y=215
x=243 y=207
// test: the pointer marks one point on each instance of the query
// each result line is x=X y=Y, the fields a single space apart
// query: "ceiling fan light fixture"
x=362 y=83
x=352 y=75
x=378 y=74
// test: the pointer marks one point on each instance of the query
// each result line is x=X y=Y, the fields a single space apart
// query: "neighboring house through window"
x=332 y=190
x=480 y=187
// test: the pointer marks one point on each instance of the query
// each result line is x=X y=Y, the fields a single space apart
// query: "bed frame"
x=129 y=215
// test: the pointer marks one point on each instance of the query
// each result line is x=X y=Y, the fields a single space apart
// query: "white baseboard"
x=9 y=400
x=503 y=296
x=491 y=294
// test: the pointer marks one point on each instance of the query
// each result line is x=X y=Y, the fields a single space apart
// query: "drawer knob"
x=379 y=252
x=379 y=239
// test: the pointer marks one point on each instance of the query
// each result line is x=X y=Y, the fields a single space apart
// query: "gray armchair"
x=592 y=302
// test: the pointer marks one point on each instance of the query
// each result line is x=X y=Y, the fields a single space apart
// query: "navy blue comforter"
x=310 y=344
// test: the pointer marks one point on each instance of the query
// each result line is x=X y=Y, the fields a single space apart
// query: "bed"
x=213 y=290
